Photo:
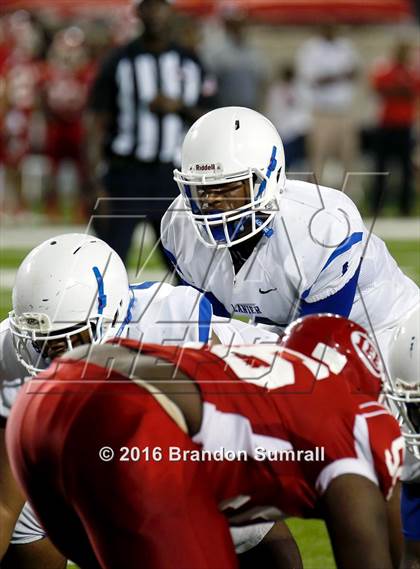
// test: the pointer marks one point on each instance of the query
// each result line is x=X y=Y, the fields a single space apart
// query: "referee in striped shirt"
x=145 y=95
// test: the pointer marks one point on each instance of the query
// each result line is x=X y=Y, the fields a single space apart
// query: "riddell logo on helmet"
x=367 y=352
x=207 y=167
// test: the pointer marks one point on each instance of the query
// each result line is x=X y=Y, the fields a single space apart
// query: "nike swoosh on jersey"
x=266 y=291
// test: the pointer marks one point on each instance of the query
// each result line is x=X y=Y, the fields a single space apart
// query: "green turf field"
x=311 y=535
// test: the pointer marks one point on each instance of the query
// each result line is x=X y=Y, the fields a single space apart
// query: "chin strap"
x=219 y=234
x=268 y=231
x=128 y=316
x=101 y=293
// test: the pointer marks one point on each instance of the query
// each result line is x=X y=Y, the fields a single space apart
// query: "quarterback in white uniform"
x=74 y=289
x=271 y=248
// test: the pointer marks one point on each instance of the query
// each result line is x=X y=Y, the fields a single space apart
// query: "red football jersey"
x=264 y=404
x=21 y=80
x=292 y=423
x=276 y=428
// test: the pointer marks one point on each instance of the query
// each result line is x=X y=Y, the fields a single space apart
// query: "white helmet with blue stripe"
x=227 y=145
x=71 y=289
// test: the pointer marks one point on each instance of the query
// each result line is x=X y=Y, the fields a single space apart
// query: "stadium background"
x=276 y=30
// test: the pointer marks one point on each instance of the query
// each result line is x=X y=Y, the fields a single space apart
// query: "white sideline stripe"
x=21 y=235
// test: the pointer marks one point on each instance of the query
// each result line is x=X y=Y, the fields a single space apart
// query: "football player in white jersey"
x=73 y=289
x=272 y=248
x=404 y=393
x=69 y=290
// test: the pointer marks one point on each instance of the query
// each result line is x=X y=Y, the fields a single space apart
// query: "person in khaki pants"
x=333 y=134
x=328 y=70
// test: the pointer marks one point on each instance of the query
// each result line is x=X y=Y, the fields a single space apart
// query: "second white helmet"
x=69 y=285
x=227 y=145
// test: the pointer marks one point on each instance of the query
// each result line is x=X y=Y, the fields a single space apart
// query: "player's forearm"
x=11 y=498
x=356 y=519
x=11 y=503
x=394 y=526
x=8 y=519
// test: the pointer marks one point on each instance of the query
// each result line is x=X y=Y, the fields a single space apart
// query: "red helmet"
x=340 y=344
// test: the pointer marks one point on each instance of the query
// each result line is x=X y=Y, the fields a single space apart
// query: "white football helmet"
x=227 y=145
x=404 y=386
x=70 y=287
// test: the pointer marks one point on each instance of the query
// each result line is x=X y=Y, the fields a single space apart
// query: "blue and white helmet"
x=227 y=145
x=68 y=285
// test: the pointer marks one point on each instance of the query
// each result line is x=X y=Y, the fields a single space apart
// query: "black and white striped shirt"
x=128 y=82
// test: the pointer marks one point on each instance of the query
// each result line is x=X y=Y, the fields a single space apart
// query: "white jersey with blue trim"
x=12 y=372
x=159 y=313
x=164 y=314
x=317 y=245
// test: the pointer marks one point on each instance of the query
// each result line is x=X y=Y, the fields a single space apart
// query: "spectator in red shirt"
x=398 y=87
x=20 y=71
x=67 y=78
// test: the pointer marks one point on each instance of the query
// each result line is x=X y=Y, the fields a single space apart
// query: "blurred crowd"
x=46 y=69
x=47 y=66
